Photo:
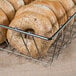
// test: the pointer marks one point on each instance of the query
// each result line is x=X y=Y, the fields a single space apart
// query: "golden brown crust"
x=57 y=8
x=17 y=3
x=59 y=11
x=30 y=20
x=7 y=8
x=43 y=10
x=3 y=21
x=69 y=8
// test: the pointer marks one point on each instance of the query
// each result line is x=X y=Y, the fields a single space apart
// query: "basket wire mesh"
x=62 y=40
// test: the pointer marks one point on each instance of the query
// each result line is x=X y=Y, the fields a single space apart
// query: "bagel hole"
x=30 y=31
x=35 y=19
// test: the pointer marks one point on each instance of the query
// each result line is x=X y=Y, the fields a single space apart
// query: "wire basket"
x=62 y=40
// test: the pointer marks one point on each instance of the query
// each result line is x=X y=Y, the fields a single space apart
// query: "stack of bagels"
x=41 y=17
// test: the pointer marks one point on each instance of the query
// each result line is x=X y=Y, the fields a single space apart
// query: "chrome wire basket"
x=62 y=40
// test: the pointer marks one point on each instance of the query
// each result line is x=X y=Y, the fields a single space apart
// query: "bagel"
x=3 y=21
x=57 y=9
x=41 y=9
x=7 y=8
x=36 y=22
x=17 y=3
x=69 y=8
